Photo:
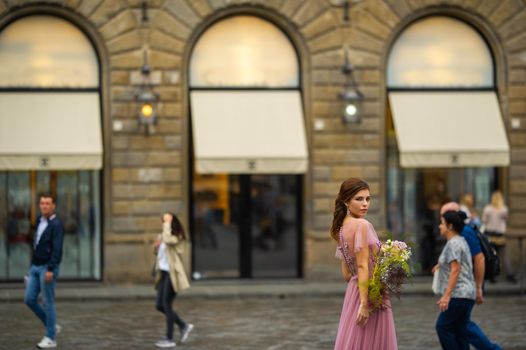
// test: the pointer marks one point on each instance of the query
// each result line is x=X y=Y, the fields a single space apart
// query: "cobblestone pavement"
x=264 y=323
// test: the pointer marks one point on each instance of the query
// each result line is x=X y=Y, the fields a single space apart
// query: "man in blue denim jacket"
x=42 y=276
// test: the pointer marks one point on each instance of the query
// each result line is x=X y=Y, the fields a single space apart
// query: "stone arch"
x=488 y=32
x=269 y=14
x=314 y=29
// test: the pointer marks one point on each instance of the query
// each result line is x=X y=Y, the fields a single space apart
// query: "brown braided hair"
x=348 y=189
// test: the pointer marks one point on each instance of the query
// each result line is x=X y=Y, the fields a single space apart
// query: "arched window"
x=244 y=51
x=50 y=141
x=46 y=52
x=440 y=52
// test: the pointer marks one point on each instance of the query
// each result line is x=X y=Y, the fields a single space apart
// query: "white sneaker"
x=185 y=332
x=47 y=343
x=165 y=343
x=58 y=329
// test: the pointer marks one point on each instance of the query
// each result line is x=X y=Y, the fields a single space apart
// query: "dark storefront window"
x=246 y=225
x=78 y=206
x=415 y=196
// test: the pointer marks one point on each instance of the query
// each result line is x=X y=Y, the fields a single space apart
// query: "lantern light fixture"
x=146 y=101
x=351 y=96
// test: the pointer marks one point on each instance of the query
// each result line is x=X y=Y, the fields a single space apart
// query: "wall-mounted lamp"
x=145 y=11
x=351 y=96
x=146 y=101
x=345 y=5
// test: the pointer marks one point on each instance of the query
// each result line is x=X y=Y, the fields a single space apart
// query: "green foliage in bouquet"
x=390 y=272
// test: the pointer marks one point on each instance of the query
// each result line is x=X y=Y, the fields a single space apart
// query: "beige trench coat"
x=174 y=251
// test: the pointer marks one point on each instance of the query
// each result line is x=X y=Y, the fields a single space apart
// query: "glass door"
x=246 y=226
x=275 y=225
x=415 y=196
x=216 y=226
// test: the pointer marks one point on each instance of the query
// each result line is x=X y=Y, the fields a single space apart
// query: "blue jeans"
x=478 y=339
x=452 y=324
x=36 y=285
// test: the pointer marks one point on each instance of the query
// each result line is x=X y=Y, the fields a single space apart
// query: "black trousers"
x=165 y=297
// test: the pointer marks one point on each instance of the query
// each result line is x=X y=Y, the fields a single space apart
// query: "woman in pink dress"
x=360 y=328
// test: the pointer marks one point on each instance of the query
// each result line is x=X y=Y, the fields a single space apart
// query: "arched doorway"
x=445 y=133
x=248 y=151
x=50 y=141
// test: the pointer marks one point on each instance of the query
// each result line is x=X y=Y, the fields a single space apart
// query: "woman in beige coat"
x=170 y=277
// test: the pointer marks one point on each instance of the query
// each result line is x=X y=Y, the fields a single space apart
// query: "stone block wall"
x=146 y=175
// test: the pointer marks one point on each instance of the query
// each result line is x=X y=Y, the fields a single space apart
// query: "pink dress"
x=379 y=331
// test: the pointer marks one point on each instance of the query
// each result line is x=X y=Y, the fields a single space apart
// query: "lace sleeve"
x=365 y=235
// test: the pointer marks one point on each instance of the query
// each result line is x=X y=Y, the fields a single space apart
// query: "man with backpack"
x=476 y=336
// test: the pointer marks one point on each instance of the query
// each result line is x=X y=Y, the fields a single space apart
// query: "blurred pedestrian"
x=476 y=336
x=42 y=276
x=359 y=328
x=494 y=218
x=467 y=205
x=171 y=277
x=456 y=285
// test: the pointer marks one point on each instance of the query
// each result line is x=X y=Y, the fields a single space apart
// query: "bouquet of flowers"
x=390 y=272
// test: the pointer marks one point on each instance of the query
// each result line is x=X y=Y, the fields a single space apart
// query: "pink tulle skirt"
x=377 y=334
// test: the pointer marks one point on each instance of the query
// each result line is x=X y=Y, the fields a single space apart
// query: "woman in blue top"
x=456 y=285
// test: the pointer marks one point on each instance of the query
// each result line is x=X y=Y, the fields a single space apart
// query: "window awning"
x=243 y=132
x=50 y=130
x=449 y=129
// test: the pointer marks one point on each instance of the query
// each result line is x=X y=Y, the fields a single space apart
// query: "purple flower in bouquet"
x=391 y=271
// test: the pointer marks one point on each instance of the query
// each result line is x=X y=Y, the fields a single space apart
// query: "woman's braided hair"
x=348 y=189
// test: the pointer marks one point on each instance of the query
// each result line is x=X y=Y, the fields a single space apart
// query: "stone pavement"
x=239 y=315
x=272 y=323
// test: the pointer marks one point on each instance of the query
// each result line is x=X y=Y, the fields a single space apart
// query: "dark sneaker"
x=511 y=279
x=185 y=332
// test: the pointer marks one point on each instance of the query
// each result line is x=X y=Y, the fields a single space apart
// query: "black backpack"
x=491 y=257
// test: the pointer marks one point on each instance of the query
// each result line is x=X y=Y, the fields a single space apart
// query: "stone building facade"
x=144 y=175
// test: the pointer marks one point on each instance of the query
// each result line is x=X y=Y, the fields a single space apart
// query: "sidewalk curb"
x=203 y=290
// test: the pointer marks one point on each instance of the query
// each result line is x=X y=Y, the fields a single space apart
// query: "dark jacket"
x=49 y=248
